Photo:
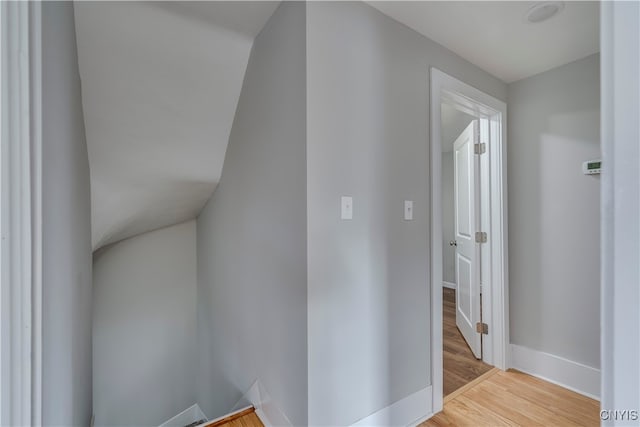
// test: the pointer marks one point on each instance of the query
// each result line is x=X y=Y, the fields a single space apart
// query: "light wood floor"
x=246 y=418
x=515 y=399
x=458 y=363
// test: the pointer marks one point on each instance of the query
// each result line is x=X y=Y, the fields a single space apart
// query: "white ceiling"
x=160 y=85
x=494 y=35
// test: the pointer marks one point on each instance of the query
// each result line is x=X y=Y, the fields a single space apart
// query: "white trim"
x=36 y=211
x=620 y=207
x=192 y=414
x=266 y=409
x=20 y=257
x=449 y=285
x=445 y=88
x=572 y=375
x=410 y=411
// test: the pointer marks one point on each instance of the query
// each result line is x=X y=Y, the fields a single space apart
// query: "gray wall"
x=554 y=214
x=367 y=136
x=144 y=327
x=66 y=228
x=448 y=233
x=252 y=293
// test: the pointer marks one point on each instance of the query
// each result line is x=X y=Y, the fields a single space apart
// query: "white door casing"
x=495 y=289
x=20 y=214
x=466 y=223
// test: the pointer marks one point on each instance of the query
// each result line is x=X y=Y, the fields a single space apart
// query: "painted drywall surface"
x=367 y=137
x=159 y=105
x=144 y=327
x=554 y=214
x=448 y=233
x=66 y=228
x=252 y=275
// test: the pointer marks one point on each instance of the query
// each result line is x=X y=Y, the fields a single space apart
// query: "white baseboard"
x=449 y=285
x=566 y=373
x=410 y=411
x=266 y=409
x=186 y=417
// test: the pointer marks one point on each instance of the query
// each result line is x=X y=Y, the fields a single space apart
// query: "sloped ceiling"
x=160 y=85
x=495 y=36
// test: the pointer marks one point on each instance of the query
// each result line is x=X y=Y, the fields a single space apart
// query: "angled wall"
x=252 y=264
x=144 y=327
x=66 y=227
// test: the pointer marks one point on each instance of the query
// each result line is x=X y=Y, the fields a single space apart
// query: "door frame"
x=21 y=214
x=619 y=207
x=495 y=298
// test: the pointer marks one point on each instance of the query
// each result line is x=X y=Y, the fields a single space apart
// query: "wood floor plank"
x=513 y=398
x=245 y=418
x=504 y=402
x=249 y=420
x=470 y=384
x=562 y=402
x=463 y=413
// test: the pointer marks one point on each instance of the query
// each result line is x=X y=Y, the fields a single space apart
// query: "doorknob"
x=453 y=243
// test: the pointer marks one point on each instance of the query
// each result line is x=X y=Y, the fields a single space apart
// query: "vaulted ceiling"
x=160 y=85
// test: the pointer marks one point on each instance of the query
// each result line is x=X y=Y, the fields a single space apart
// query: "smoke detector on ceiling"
x=543 y=11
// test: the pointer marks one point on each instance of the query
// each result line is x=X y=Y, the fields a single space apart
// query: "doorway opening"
x=469 y=235
x=461 y=256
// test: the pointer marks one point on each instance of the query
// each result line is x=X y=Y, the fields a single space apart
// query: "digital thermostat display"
x=592 y=167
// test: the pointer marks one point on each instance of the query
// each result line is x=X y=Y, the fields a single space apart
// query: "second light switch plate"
x=408 y=210
x=346 y=207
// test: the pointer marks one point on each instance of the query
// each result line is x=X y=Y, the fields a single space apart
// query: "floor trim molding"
x=470 y=385
x=410 y=411
x=189 y=415
x=566 y=373
x=449 y=285
x=266 y=409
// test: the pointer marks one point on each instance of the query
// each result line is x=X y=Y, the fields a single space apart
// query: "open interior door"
x=466 y=222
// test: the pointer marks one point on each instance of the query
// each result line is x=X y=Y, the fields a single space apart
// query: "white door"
x=466 y=222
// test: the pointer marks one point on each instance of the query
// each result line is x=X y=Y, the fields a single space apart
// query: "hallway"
x=228 y=205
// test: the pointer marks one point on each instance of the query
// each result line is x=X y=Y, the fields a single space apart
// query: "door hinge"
x=482 y=328
x=480 y=148
x=481 y=237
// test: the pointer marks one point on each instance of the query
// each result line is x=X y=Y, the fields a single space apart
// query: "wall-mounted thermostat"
x=592 y=167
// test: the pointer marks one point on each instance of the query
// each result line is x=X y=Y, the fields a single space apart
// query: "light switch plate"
x=346 y=207
x=408 y=210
